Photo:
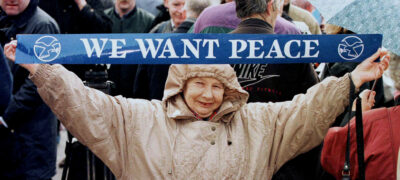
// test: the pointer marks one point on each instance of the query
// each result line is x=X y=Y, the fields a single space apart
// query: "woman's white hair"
x=394 y=68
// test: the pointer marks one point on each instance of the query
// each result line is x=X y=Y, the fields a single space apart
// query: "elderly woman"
x=202 y=128
x=381 y=140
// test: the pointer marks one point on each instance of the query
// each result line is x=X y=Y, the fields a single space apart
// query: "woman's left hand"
x=369 y=70
x=367 y=100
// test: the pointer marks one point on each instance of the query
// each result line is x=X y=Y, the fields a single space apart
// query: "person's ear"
x=270 y=7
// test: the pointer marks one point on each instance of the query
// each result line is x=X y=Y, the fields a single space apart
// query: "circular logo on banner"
x=351 y=48
x=47 y=48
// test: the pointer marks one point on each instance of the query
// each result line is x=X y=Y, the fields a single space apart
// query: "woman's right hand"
x=9 y=51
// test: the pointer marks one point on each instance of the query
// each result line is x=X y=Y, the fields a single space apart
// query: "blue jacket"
x=28 y=146
x=5 y=83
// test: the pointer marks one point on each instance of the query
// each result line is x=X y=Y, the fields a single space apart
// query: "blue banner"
x=194 y=48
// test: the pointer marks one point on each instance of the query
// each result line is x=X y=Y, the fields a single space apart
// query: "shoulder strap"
x=360 y=146
x=360 y=140
x=346 y=167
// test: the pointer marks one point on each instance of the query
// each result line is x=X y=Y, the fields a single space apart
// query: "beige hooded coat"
x=140 y=139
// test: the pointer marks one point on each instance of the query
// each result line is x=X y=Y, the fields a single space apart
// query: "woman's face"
x=176 y=11
x=203 y=95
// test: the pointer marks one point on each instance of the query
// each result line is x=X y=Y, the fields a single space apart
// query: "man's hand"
x=9 y=51
x=369 y=70
x=81 y=4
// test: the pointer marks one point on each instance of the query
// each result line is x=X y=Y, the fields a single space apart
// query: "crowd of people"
x=185 y=121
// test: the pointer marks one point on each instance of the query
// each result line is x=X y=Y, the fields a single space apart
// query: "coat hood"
x=173 y=102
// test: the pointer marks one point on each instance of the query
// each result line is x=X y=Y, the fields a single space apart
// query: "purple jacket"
x=227 y=19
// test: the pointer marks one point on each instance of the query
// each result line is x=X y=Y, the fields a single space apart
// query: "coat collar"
x=253 y=26
x=130 y=14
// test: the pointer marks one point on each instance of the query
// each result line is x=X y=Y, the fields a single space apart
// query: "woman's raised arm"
x=94 y=118
x=299 y=125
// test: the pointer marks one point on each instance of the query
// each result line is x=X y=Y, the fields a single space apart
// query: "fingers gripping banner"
x=194 y=48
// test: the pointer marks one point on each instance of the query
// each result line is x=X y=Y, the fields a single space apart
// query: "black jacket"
x=163 y=15
x=271 y=82
x=286 y=81
x=28 y=146
x=5 y=83
x=136 y=21
x=278 y=82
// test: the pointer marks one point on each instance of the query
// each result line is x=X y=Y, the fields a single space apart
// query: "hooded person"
x=203 y=127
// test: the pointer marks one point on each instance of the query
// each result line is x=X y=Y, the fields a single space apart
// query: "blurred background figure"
x=193 y=10
x=149 y=5
x=150 y=79
x=304 y=4
x=302 y=18
x=162 y=14
x=288 y=79
x=126 y=17
x=177 y=14
x=395 y=75
x=389 y=84
x=28 y=145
